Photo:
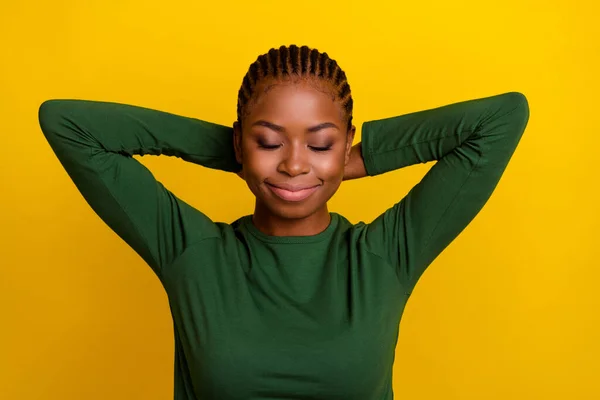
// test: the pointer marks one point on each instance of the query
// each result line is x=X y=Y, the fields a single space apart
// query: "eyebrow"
x=278 y=128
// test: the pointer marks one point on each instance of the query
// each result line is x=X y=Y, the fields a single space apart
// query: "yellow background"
x=510 y=310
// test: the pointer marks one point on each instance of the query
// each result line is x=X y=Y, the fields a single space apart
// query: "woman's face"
x=293 y=146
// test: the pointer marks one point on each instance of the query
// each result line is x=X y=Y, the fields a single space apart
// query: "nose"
x=295 y=161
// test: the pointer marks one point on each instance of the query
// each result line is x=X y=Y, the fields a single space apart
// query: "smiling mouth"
x=292 y=195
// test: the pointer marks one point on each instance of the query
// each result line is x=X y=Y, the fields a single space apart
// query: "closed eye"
x=268 y=146
x=276 y=146
x=320 y=148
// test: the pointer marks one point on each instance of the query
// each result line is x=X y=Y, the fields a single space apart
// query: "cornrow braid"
x=295 y=61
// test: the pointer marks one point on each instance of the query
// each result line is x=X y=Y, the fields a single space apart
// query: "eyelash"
x=268 y=147
x=320 y=149
x=276 y=146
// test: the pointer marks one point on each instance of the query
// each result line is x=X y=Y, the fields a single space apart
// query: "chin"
x=293 y=211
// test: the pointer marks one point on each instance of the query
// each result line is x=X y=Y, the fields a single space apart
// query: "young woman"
x=294 y=301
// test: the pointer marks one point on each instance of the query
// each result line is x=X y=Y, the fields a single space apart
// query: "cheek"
x=329 y=166
x=259 y=165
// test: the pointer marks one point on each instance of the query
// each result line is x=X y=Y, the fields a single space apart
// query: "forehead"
x=292 y=100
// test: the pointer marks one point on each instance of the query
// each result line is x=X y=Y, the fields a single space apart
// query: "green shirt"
x=259 y=317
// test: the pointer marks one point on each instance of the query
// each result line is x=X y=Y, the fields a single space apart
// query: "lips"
x=292 y=192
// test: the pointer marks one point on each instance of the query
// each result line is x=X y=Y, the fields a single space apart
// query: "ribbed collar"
x=249 y=226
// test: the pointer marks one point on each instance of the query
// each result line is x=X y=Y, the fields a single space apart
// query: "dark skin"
x=295 y=134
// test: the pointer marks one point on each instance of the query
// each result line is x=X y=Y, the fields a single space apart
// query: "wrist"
x=355 y=168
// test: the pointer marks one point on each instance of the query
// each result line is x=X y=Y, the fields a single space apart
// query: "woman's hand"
x=356 y=165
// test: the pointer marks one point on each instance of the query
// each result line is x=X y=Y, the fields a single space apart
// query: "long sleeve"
x=472 y=142
x=95 y=142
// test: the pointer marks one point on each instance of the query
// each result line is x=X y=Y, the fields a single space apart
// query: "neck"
x=274 y=225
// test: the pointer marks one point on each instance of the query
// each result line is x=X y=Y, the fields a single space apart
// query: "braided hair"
x=294 y=61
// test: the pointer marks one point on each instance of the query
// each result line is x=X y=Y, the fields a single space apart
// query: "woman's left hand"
x=356 y=165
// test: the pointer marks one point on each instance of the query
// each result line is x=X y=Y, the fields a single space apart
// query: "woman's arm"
x=95 y=142
x=473 y=142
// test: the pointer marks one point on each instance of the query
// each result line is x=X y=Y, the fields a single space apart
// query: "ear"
x=349 y=140
x=237 y=141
